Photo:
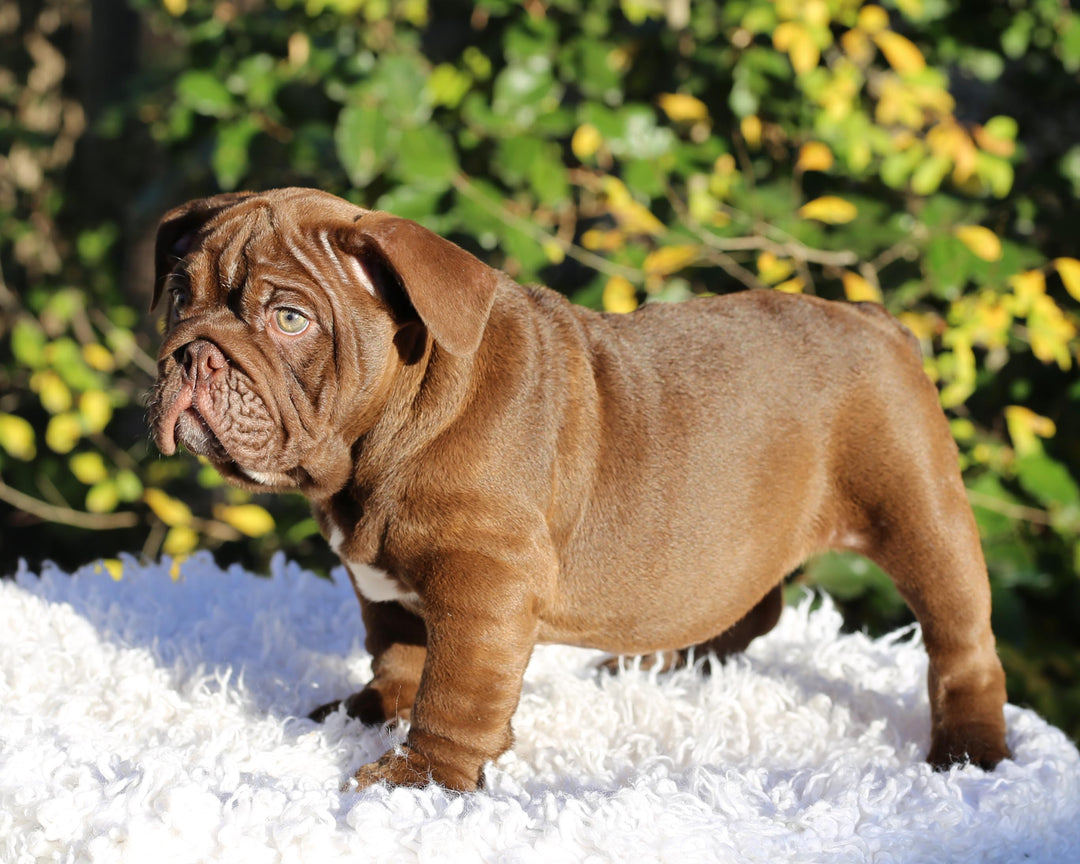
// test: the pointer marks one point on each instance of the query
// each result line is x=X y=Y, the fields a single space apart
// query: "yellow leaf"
x=98 y=357
x=872 y=19
x=1026 y=427
x=619 y=295
x=795 y=40
x=180 y=541
x=170 y=511
x=901 y=52
x=174 y=568
x=17 y=437
x=63 y=432
x=176 y=8
x=856 y=45
x=114 y=567
x=88 y=468
x=1050 y=332
x=982 y=242
x=923 y=324
x=554 y=251
x=1069 y=271
x=631 y=216
x=1003 y=147
x=857 y=289
x=816 y=13
x=682 y=107
x=829 y=209
x=596 y=239
x=95 y=409
x=792 y=286
x=586 y=141
x=102 y=497
x=52 y=391
x=773 y=270
x=1027 y=287
x=249 y=519
x=814 y=156
x=750 y=127
x=670 y=259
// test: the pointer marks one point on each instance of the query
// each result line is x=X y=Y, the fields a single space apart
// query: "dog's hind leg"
x=758 y=621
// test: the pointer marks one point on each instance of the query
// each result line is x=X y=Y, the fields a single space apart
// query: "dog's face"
x=289 y=317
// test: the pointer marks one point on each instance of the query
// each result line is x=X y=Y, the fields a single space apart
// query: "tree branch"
x=65 y=515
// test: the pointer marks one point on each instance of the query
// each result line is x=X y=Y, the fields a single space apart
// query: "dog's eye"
x=290 y=321
x=180 y=299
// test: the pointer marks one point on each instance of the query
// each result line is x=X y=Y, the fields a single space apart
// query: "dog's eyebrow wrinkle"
x=324 y=240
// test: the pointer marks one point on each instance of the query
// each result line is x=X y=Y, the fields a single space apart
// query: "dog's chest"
x=374 y=584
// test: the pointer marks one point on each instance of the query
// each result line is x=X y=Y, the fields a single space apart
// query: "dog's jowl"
x=497 y=467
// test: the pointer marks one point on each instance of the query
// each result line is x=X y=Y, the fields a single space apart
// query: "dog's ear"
x=450 y=290
x=177 y=230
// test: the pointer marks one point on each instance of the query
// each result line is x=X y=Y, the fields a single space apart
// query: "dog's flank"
x=517 y=469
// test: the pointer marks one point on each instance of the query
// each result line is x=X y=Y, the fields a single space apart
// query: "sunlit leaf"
x=168 y=509
x=792 y=286
x=88 y=468
x=872 y=19
x=750 y=128
x=901 y=52
x=102 y=497
x=982 y=242
x=857 y=289
x=249 y=519
x=814 y=156
x=179 y=541
x=829 y=209
x=95 y=410
x=1026 y=427
x=586 y=141
x=682 y=107
x=98 y=357
x=619 y=295
x=176 y=8
x=63 y=432
x=773 y=269
x=114 y=567
x=17 y=437
x=670 y=259
x=1069 y=271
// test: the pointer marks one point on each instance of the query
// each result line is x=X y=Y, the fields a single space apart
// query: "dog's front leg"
x=482 y=620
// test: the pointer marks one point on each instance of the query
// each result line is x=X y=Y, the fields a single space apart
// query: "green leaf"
x=28 y=343
x=361 y=138
x=426 y=155
x=230 y=160
x=1047 y=480
x=204 y=93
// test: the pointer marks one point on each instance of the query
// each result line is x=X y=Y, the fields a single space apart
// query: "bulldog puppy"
x=497 y=467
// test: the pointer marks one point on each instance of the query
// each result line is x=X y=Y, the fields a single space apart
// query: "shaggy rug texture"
x=152 y=719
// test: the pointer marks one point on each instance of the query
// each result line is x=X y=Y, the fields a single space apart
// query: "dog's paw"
x=405 y=766
x=980 y=744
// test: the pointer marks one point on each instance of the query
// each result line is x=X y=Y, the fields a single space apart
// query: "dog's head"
x=290 y=314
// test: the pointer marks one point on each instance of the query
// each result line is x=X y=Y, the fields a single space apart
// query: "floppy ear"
x=178 y=228
x=450 y=290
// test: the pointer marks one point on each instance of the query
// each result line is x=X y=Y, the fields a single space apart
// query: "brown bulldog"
x=497 y=467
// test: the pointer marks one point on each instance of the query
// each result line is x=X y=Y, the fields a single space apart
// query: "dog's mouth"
x=211 y=408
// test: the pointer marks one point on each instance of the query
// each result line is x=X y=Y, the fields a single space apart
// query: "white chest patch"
x=379 y=587
x=373 y=583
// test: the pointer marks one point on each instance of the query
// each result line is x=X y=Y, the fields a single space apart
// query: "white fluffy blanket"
x=153 y=720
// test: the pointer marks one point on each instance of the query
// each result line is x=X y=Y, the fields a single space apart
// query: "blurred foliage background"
x=922 y=153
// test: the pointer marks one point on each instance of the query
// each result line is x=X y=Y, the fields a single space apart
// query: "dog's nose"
x=202 y=358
